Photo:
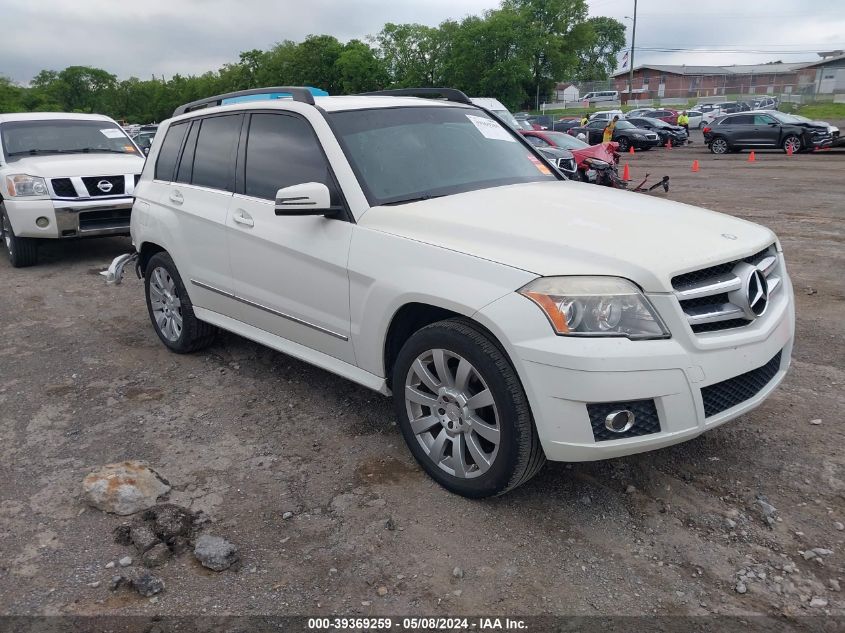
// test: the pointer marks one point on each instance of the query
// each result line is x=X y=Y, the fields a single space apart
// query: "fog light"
x=42 y=222
x=619 y=421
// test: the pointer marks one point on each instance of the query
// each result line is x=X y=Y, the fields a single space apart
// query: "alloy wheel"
x=165 y=303
x=452 y=413
x=792 y=142
x=719 y=146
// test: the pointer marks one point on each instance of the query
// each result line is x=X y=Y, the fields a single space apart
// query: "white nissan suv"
x=63 y=176
x=423 y=249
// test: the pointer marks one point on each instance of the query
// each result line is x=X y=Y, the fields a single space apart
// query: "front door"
x=766 y=130
x=289 y=272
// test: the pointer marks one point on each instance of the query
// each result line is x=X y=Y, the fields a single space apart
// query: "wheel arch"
x=415 y=315
x=145 y=253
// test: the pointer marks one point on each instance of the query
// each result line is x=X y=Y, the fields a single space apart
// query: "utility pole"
x=631 y=61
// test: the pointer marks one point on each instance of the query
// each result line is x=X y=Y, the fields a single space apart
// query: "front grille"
x=567 y=164
x=705 y=295
x=64 y=188
x=733 y=391
x=104 y=219
x=646 y=419
x=117 y=185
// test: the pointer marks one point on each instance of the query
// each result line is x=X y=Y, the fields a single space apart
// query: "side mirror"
x=146 y=151
x=309 y=198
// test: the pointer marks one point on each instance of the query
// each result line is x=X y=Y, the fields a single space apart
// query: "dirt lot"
x=246 y=435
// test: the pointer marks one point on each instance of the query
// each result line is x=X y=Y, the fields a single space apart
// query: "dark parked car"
x=626 y=134
x=565 y=124
x=765 y=130
x=666 y=131
x=562 y=158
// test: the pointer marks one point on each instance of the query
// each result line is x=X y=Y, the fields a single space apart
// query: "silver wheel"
x=792 y=142
x=719 y=146
x=452 y=413
x=165 y=304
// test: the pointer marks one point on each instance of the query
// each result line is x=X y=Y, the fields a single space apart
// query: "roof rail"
x=450 y=94
x=297 y=93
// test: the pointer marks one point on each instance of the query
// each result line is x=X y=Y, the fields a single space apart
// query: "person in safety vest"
x=584 y=120
x=608 y=131
x=683 y=121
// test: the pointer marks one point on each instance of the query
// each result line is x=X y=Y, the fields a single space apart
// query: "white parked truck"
x=63 y=176
x=422 y=249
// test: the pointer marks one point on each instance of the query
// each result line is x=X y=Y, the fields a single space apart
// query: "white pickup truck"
x=420 y=247
x=63 y=176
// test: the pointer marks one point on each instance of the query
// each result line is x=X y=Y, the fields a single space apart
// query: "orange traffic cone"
x=631 y=150
x=789 y=150
x=626 y=173
x=668 y=144
x=695 y=166
x=751 y=157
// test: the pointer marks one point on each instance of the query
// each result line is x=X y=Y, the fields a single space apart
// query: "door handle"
x=176 y=197
x=244 y=218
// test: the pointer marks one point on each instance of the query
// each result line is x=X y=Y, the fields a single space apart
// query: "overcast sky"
x=163 y=37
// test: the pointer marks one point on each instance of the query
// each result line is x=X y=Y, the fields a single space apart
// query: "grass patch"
x=822 y=111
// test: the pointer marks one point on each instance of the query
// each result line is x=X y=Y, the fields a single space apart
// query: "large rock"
x=124 y=488
x=215 y=553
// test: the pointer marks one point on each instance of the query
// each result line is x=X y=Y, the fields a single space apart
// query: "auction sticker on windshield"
x=490 y=129
x=111 y=132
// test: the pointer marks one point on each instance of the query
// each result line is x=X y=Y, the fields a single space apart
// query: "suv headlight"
x=18 y=185
x=595 y=306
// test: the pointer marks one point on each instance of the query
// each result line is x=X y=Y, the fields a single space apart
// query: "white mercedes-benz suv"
x=63 y=176
x=422 y=249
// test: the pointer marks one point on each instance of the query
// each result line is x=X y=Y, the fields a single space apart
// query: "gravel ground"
x=248 y=435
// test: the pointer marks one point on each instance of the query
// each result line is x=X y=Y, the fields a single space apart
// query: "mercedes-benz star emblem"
x=757 y=292
x=105 y=186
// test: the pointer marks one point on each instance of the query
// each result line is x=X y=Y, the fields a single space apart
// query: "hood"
x=67 y=165
x=571 y=228
x=602 y=151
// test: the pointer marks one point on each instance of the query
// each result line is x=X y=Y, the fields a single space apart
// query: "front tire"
x=792 y=141
x=170 y=308
x=463 y=412
x=624 y=144
x=22 y=251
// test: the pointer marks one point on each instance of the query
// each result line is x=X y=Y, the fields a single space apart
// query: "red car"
x=583 y=153
x=670 y=116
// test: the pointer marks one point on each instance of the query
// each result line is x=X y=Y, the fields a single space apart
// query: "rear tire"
x=719 y=146
x=170 y=308
x=22 y=251
x=463 y=412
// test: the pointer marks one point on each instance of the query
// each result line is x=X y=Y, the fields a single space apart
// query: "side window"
x=762 y=119
x=169 y=152
x=214 y=158
x=186 y=164
x=281 y=151
x=742 y=119
x=598 y=123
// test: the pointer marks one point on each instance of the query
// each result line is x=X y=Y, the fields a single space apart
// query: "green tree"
x=314 y=63
x=358 y=69
x=413 y=54
x=598 y=58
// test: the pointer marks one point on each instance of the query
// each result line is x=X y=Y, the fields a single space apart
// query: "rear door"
x=739 y=130
x=595 y=130
x=197 y=195
x=290 y=272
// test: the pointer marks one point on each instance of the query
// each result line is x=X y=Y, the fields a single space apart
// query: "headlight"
x=23 y=185
x=595 y=306
x=597 y=162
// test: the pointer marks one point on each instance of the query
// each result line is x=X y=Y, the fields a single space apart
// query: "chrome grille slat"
x=713 y=314
x=767 y=265
x=706 y=287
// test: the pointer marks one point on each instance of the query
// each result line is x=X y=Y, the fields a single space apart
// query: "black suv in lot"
x=625 y=133
x=764 y=130
x=666 y=131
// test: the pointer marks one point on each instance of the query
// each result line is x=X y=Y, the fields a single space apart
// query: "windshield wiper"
x=88 y=150
x=35 y=152
x=425 y=196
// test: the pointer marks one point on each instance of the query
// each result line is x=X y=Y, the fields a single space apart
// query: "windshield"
x=60 y=136
x=565 y=140
x=624 y=125
x=414 y=153
x=785 y=118
x=656 y=122
x=507 y=117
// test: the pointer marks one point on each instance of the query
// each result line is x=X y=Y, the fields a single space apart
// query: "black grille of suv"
x=92 y=184
x=646 y=420
x=64 y=188
x=733 y=391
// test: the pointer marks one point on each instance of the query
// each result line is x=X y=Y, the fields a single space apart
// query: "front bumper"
x=562 y=375
x=69 y=218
